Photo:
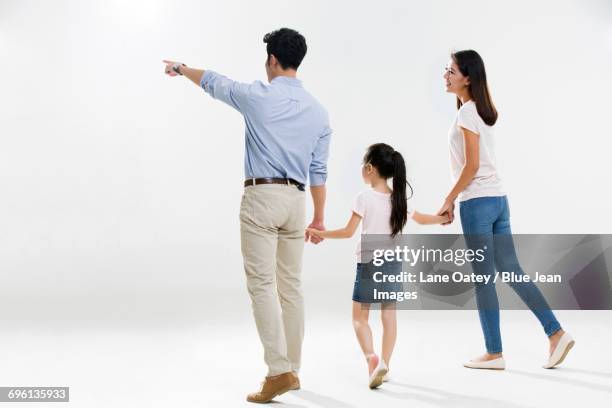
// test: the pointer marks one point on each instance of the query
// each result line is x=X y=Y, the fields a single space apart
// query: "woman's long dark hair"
x=471 y=65
x=390 y=163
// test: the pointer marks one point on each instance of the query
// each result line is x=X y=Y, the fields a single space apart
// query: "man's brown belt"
x=270 y=180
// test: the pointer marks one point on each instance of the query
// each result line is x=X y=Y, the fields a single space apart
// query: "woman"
x=484 y=209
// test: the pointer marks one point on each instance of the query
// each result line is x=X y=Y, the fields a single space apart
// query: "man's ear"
x=272 y=61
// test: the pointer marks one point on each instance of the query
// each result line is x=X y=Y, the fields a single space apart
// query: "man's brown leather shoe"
x=295 y=385
x=272 y=387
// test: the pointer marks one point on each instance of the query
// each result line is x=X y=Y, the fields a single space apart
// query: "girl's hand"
x=314 y=232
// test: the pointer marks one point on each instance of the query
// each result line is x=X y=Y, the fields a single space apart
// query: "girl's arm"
x=426 y=219
x=345 y=232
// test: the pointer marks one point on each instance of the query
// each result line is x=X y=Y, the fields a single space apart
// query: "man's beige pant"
x=272 y=240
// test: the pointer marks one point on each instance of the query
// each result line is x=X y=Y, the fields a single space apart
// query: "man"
x=286 y=142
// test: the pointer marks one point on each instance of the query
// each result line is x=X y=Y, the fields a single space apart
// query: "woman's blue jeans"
x=486 y=221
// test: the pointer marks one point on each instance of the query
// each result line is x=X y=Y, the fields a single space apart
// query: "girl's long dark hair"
x=471 y=65
x=390 y=163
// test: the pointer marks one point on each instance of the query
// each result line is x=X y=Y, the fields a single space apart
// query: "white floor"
x=215 y=362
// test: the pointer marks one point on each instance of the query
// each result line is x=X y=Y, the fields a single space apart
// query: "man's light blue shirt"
x=287 y=130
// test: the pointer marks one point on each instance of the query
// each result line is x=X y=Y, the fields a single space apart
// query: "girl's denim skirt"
x=363 y=291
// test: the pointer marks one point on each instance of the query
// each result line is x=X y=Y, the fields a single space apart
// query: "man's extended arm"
x=194 y=75
x=233 y=93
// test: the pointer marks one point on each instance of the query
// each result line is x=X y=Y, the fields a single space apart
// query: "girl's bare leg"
x=361 y=313
x=389 y=322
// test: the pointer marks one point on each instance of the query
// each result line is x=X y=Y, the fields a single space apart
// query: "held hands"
x=445 y=219
x=448 y=210
x=171 y=67
x=311 y=233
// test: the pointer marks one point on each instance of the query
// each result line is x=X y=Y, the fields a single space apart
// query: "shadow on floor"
x=443 y=398
x=321 y=400
x=588 y=372
x=564 y=380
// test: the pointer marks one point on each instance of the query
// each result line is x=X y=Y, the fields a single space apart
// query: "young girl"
x=383 y=211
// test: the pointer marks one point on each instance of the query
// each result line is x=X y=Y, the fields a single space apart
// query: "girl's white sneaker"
x=376 y=379
x=565 y=345
x=496 y=364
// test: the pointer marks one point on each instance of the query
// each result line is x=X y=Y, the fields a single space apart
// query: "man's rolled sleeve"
x=235 y=94
x=318 y=165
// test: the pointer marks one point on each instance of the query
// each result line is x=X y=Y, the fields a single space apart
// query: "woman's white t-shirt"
x=486 y=182
x=375 y=211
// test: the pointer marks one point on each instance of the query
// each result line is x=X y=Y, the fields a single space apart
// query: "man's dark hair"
x=287 y=45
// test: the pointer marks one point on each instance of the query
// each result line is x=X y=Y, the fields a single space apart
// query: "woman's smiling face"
x=456 y=82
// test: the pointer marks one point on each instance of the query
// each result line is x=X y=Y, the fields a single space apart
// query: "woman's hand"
x=448 y=209
x=445 y=219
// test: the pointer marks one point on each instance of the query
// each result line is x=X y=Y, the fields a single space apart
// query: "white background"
x=120 y=186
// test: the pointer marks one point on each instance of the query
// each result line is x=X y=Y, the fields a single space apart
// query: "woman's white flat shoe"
x=565 y=345
x=496 y=364
x=376 y=379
